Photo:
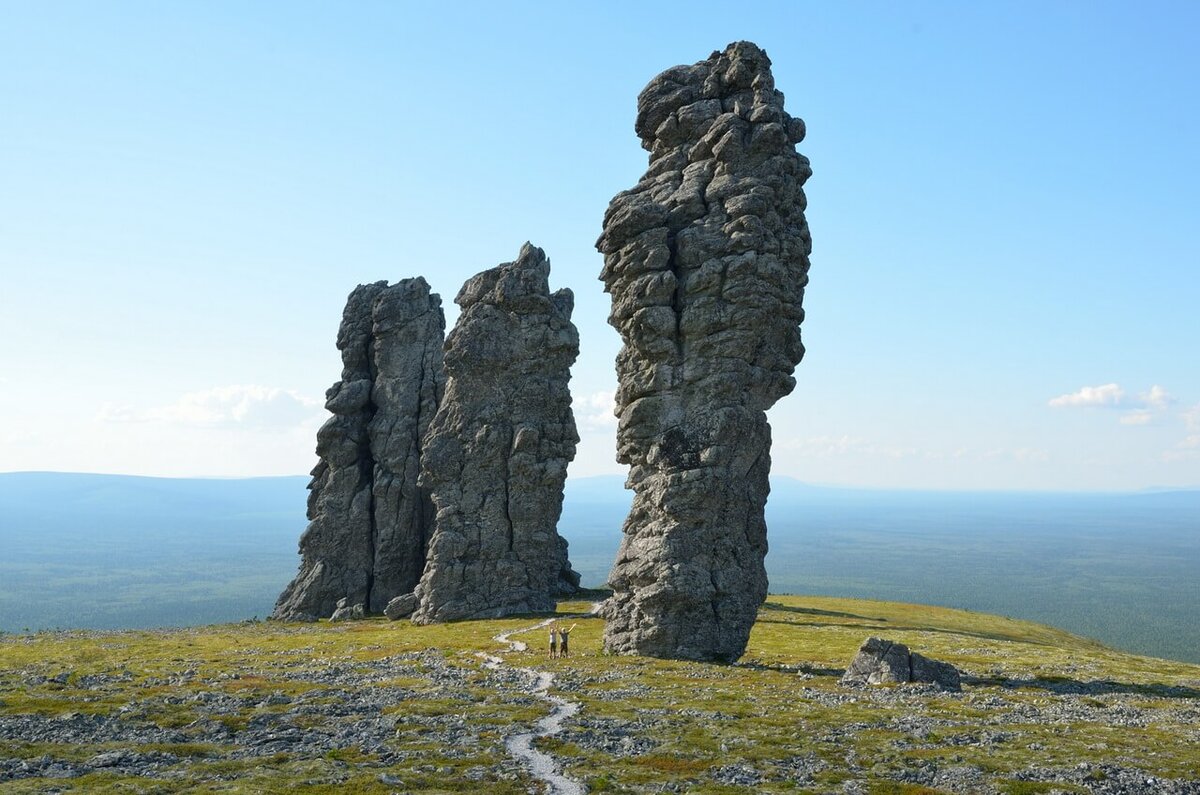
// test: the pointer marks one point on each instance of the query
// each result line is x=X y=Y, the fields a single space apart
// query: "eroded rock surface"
x=706 y=260
x=880 y=662
x=496 y=455
x=370 y=523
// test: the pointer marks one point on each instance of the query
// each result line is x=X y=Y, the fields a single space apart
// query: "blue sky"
x=1004 y=283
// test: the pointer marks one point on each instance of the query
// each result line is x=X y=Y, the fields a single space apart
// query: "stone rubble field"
x=380 y=707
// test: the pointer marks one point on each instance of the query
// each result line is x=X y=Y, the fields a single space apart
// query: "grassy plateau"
x=378 y=707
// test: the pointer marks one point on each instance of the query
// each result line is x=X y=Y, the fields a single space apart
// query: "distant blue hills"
x=114 y=551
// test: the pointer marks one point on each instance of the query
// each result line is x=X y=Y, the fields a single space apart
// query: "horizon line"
x=1144 y=490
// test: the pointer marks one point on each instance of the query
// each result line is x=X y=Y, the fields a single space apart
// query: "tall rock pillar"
x=496 y=455
x=706 y=260
x=370 y=523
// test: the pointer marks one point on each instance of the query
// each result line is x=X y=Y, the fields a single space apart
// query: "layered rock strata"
x=496 y=455
x=370 y=522
x=706 y=260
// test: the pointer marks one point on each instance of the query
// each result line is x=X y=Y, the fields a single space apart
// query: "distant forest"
x=99 y=551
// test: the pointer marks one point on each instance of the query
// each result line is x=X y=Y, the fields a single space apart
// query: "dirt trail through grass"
x=520 y=746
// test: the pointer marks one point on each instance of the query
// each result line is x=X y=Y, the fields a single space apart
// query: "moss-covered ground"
x=1040 y=710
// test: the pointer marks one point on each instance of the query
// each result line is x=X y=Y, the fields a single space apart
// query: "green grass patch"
x=781 y=702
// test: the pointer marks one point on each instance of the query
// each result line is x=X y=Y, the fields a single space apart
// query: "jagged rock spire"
x=370 y=523
x=706 y=259
x=495 y=458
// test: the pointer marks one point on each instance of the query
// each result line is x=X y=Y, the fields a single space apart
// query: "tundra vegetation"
x=379 y=706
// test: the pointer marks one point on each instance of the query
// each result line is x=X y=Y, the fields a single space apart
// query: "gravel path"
x=520 y=746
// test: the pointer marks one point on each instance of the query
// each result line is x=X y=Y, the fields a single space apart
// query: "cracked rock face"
x=496 y=455
x=706 y=260
x=370 y=522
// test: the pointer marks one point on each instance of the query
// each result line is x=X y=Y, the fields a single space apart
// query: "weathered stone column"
x=495 y=458
x=706 y=259
x=370 y=523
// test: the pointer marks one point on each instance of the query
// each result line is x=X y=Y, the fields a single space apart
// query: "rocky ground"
x=356 y=709
x=380 y=707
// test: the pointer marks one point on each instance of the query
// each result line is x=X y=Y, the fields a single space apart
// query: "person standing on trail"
x=564 y=636
x=553 y=641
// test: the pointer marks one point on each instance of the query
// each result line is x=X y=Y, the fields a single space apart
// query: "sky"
x=1004 y=284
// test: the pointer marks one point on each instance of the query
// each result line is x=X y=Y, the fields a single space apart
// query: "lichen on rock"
x=496 y=455
x=706 y=260
x=369 y=521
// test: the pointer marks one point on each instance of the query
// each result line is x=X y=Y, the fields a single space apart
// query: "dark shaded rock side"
x=495 y=458
x=706 y=260
x=880 y=662
x=369 y=521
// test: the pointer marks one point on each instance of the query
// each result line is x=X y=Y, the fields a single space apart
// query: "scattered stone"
x=110 y=759
x=360 y=704
x=370 y=522
x=401 y=607
x=348 y=612
x=706 y=260
x=496 y=454
x=741 y=775
x=880 y=662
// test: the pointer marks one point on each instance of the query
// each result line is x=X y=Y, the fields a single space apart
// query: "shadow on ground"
x=1062 y=685
x=812 y=611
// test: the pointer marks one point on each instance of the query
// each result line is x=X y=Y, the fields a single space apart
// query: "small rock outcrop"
x=369 y=521
x=880 y=662
x=402 y=606
x=495 y=458
x=348 y=612
x=706 y=260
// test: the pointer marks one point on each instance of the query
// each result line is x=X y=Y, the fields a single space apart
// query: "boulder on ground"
x=880 y=662
x=401 y=607
x=348 y=612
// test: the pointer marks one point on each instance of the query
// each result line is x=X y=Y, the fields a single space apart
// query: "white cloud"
x=1139 y=417
x=1187 y=448
x=825 y=446
x=1191 y=419
x=595 y=411
x=1030 y=454
x=1108 y=395
x=245 y=406
x=1143 y=406
x=1156 y=398
x=1021 y=454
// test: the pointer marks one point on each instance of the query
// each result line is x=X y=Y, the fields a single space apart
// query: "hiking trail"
x=520 y=746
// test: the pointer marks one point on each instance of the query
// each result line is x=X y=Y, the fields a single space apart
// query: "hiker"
x=553 y=642
x=564 y=635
